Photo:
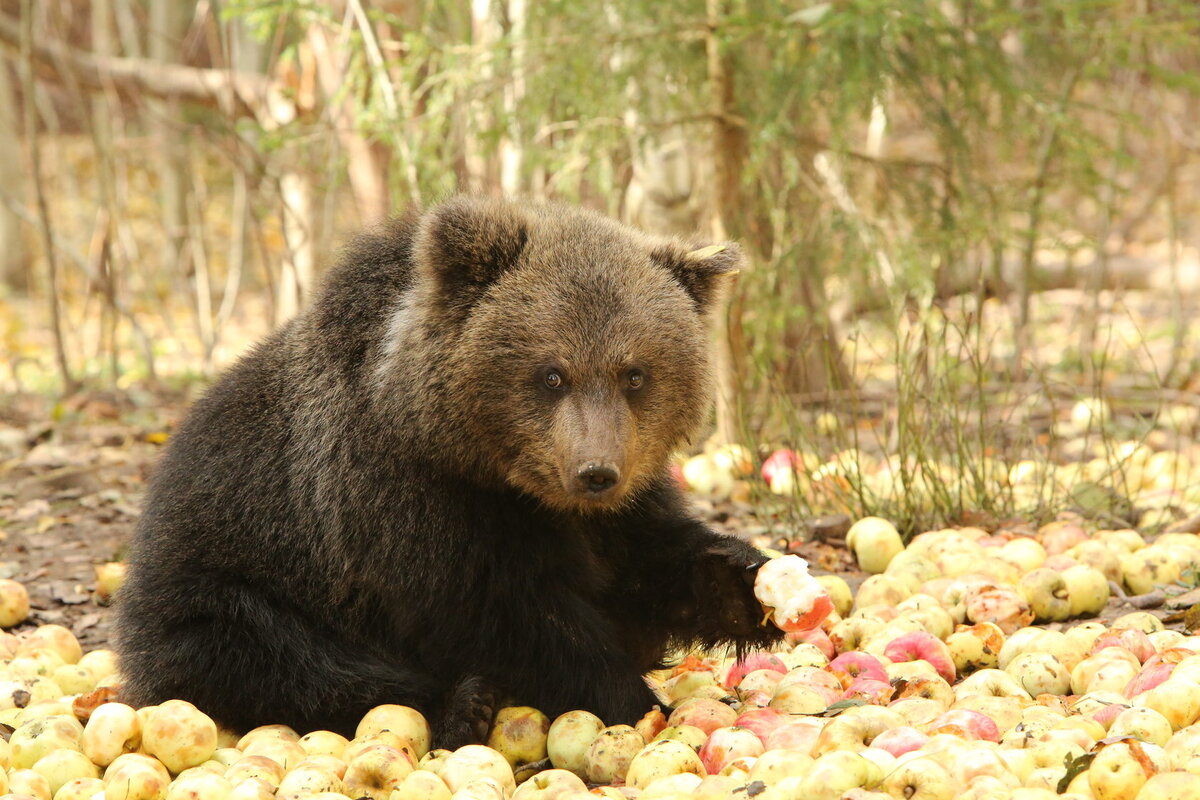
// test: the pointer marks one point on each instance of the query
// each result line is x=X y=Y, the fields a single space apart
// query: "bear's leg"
x=466 y=714
x=246 y=662
x=684 y=582
x=568 y=656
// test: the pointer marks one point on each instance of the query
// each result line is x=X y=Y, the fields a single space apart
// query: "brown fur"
x=384 y=502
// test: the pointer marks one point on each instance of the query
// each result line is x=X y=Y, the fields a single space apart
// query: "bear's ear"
x=467 y=243
x=701 y=272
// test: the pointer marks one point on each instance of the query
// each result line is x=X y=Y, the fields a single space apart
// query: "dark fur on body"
x=380 y=503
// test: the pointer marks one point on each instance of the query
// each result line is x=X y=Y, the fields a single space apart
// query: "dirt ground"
x=72 y=480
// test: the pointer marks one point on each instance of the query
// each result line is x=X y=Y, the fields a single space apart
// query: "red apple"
x=922 y=646
x=726 y=744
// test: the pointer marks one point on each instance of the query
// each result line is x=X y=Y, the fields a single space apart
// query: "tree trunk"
x=512 y=148
x=14 y=250
x=168 y=23
x=299 y=232
x=367 y=162
x=726 y=148
x=485 y=36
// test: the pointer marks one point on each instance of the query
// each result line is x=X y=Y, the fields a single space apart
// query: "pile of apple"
x=1158 y=481
x=929 y=684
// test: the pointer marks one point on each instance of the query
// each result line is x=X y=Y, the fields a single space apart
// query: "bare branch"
x=239 y=94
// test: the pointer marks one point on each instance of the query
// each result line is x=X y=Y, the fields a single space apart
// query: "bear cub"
x=444 y=485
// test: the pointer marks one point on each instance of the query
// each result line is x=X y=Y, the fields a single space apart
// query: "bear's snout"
x=597 y=478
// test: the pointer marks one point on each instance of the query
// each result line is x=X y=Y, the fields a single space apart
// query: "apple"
x=925 y=647
x=135 y=776
x=703 y=713
x=1148 y=678
x=884 y=590
x=1149 y=567
x=687 y=684
x=652 y=723
x=1120 y=769
x=377 y=770
x=110 y=577
x=799 y=734
x=931 y=687
x=761 y=721
x=199 y=784
x=519 y=734
x=1170 y=786
x=285 y=752
x=1040 y=673
x=612 y=751
x=1004 y=606
x=974 y=647
x=690 y=735
x=424 y=785
x=797 y=601
x=839 y=592
x=853 y=664
x=480 y=789
x=1143 y=621
x=252 y=789
x=900 y=740
x=407 y=723
x=111 y=730
x=55 y=639
x=77 y=789
x=551 y=784
x=800 y=699
x=923 y=778
x=179 y=735
x=855 y=728
x=325 y=743
x=1142 y=723
x=1176 y=699
x=39 y=737
x=703 y=475
x=1047 y=594
x=875 y=542
x=753 y=662
x=27 y=783
x=1060 y=536
x=834 y=773
x=848 y=634
x=663 y=758
x=59 y=767
x=255 y=767
x=14 y=603
x=307 y=780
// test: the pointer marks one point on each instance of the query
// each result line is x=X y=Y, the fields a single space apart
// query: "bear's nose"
x=596 y=478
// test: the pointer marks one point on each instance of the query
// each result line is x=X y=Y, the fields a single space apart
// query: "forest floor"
x=71 y=491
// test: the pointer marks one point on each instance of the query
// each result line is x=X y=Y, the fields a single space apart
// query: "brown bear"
x=446 y=483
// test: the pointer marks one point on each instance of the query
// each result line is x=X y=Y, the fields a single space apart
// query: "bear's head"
x=573 y=351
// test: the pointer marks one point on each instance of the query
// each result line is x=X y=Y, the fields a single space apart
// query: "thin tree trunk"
x=725 y=155
x=512 y=148
x=485 y=35
x=28 y=90
x=168 y=22
x=299 y=229
x=368 y=162
x=14 y=251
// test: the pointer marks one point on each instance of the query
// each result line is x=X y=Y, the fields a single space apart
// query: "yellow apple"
x=135 y=776
x=405 y=722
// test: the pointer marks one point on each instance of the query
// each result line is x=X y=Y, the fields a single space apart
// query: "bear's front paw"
x=725 y=584
x=467 y=715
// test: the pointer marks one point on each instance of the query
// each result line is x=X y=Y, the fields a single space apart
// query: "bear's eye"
x=636 y=379
x=553 y=380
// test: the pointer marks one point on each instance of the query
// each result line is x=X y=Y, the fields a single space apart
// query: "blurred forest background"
x=973 y=225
